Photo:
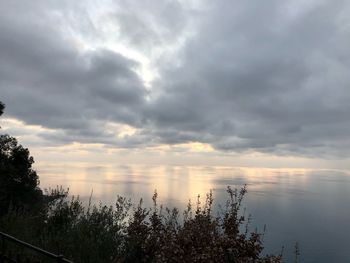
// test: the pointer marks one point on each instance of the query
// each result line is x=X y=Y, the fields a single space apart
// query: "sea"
x=307 y=207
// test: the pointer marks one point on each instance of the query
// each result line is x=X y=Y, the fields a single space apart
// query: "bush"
x=154 y=236
x=121 y=234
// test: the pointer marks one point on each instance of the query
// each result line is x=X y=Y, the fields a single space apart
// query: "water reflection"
x=308 y=206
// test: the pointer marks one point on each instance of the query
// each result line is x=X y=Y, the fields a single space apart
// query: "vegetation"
x=124 y=232
x=19 y=183
x=2 y=107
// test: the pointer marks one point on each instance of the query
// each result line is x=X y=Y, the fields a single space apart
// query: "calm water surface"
x=308 y=206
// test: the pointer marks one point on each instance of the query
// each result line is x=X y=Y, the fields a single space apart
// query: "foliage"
x=2 y=107
x=120 y=234
x=157 y=236
x=18 y=181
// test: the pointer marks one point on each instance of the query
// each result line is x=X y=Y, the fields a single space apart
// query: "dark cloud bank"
x=269 y=76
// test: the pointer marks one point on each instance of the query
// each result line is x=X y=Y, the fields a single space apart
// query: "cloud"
x=46 y=81
x=259 y=77
x=254 y=76
x=149 y=23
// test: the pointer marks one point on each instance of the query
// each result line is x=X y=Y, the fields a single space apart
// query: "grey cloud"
x=278 y=83
x=46 y=81
x=266 y=76
x=149 y=23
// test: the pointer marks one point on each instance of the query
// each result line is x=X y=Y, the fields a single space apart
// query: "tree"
x=19 y=183
x=2 y=106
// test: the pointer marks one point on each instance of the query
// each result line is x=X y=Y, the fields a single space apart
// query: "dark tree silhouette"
x=2 y=106
x=18 y=181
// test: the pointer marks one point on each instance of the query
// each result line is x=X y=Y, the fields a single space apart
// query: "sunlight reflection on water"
x=308 y=206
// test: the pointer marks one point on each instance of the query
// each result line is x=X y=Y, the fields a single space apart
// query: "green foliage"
x=18 y=181
x=90 y=234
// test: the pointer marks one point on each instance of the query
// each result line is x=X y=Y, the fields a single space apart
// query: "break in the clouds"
x=263 y=76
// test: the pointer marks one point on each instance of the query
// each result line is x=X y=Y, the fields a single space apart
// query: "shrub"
x=154 y=236
x=118 y=234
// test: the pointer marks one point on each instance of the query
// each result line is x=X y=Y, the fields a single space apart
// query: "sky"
x=226 y=82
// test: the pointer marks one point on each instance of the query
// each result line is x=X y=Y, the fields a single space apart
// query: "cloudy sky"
x=215 y=81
